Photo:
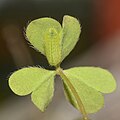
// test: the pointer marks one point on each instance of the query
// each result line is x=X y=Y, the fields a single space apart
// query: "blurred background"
x=99 y=45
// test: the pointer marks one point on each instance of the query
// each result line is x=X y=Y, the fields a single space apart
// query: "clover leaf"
x=36 y=30
x=38 y=81
x=83 y=86
x=89 y=82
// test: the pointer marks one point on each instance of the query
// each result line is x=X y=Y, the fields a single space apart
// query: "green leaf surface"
x=95 y=77
x=42 y=96
x=38 y=81
x=71 y=32
x=36 y=31
x=91 y=99
x=52 y=40
x=88 y=81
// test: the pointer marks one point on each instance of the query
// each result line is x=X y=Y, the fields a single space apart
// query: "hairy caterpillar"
x=52 y=46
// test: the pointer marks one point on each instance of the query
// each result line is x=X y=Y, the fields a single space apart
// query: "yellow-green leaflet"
x=89 y=82
x=37 y=29
x=38 y=81
x=52 y=39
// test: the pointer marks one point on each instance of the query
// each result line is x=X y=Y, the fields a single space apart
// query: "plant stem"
x=80 y=104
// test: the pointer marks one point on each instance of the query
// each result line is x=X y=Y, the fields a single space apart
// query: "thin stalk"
x=80 y=104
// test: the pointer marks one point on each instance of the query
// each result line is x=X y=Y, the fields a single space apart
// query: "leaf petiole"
x=80 y=104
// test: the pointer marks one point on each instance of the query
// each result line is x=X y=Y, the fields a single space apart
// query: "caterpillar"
x=52 y=46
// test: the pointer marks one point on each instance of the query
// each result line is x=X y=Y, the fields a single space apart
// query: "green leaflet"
x=88 y=81
x=71 y=32
x=97 y=78
x=37 y=30
x=34 y=79
x=91 y=99
x=52 y=40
